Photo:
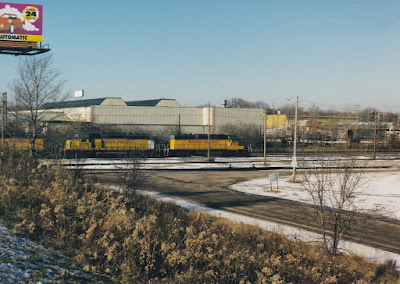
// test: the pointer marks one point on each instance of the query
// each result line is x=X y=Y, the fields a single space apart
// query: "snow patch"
x=382 y=190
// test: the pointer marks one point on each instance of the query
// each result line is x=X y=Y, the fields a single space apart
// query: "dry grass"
x=136 y=239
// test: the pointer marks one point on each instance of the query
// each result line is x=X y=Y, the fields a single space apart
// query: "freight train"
x=197 y=144
x=96 y=145
x=141 y=145
x=21 y=144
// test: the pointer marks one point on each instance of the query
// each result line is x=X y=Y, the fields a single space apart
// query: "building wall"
x=161 y=128
x=188 y=120
x=167 y=116
x=81 y=114
x=276 y=121
x=235 y=116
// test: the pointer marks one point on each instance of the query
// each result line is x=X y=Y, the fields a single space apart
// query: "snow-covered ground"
x=197 y=163
x=381 y=189
x=24 y=261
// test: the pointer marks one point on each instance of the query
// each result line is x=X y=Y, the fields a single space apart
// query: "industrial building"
x=155 y=115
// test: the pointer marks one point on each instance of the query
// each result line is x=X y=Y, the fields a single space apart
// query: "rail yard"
x=273 y=162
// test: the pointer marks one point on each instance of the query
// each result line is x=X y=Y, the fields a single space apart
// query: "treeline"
x=131 y=238
x=365 y=114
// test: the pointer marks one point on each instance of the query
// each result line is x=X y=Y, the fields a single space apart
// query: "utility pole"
x=294 y=160
x=179 y=124
x=209 y=135
x=265 y=137
x=295 y=140
x=358 y=119
x=4 y=116
x=375 y=134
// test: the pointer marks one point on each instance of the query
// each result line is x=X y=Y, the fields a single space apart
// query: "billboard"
x=21 y=22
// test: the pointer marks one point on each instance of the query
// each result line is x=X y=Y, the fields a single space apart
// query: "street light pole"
x=265 y=137
x=264 y=118
x=295 y=140
x=209 y=135
x=375 y=134
x=294 y=160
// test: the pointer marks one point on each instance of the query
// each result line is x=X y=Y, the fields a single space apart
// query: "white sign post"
x=274 y=177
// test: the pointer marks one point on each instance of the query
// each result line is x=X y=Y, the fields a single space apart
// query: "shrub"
x=132 y=238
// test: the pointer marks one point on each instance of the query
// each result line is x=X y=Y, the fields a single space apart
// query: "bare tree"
x=132 y=175
x=315 y=110
x=241 y=103
x=289 y=109
x=367 y=113
x=36 y=85
x=247 y=133
x=333 y=188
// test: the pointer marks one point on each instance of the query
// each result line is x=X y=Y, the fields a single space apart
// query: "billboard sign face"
x=21 y=22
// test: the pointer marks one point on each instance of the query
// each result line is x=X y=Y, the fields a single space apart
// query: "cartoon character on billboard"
x=12 y=19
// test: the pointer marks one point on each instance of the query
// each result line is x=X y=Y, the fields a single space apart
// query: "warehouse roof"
x=143 y=103
x=77 y=103
x=111 y=102
x=153 y=103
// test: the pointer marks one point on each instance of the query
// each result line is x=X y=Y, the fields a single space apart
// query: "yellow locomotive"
x=21 y=144
x=197 y=144
x=96 y=145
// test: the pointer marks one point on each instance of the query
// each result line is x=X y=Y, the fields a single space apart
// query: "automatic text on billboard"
x=21 y=22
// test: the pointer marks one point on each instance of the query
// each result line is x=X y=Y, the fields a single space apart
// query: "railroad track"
x=220 y=164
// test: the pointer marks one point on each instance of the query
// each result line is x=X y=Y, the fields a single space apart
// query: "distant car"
x=10 y=22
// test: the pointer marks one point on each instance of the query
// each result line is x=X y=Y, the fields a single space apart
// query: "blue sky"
x=333 y=53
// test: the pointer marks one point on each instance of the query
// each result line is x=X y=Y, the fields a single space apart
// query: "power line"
x=336 y=107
